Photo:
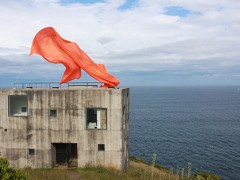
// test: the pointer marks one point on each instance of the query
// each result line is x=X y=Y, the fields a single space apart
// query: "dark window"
x=24 y=109
x=31 y=151
x=53 y=112
x=96 y=118
x=5 y=130
x=101 y=147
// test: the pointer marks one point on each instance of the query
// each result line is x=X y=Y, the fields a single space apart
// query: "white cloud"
x=140 y=38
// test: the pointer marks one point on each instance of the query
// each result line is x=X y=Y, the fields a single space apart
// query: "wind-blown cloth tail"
x=52 y=47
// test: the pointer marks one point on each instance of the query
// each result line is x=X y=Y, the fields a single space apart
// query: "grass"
x=138 y=169
x=47 y=174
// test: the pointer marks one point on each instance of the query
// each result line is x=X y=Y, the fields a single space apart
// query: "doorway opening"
x=64 y=154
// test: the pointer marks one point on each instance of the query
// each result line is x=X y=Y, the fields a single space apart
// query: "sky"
x=141 y=42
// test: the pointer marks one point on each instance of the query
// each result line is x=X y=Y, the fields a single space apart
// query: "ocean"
x=197 y=125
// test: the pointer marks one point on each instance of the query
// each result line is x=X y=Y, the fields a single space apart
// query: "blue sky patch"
x=65 y=2
x=179 y=11
x=128 y=5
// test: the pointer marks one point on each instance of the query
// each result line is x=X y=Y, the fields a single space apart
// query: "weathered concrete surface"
x=38 y=130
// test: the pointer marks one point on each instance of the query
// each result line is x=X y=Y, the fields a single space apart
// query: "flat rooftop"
x=56 y=85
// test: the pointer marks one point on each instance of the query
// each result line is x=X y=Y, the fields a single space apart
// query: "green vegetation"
x=7 y=173
x=180 y=173
x=203 y=176
x=158 y=166
x=138 y=169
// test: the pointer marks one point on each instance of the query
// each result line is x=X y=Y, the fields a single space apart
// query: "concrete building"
x=74 y=126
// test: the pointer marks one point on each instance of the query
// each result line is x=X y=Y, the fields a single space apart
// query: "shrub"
x=7 y=173
x=204 y=176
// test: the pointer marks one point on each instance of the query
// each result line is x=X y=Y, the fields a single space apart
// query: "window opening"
x=23 y=109
x=31 y=151
x=96 y=118
x=101 y=147
x=53 y=112
x=17 y=105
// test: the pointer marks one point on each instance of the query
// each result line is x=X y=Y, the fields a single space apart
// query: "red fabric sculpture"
x=52 y=47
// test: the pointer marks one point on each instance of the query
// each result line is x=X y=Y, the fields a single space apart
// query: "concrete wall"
x=38 y=130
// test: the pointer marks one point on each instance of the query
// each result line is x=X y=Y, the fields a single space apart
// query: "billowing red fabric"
x=52 y=47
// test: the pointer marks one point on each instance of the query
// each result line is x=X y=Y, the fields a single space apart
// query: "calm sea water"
x=200 y=125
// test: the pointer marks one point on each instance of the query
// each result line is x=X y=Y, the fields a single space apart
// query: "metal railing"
x=56 y=85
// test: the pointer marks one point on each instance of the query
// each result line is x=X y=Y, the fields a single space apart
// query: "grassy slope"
x=138 y=169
